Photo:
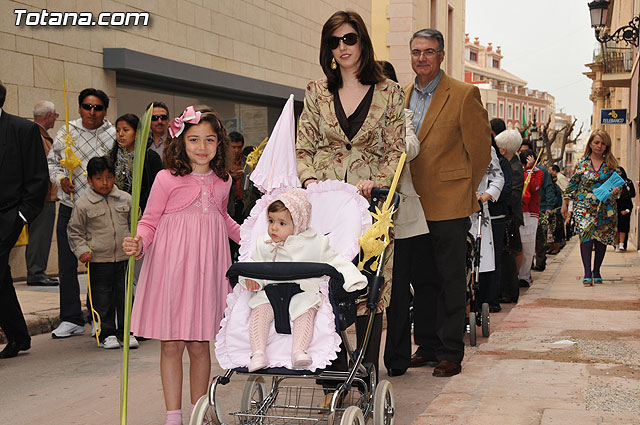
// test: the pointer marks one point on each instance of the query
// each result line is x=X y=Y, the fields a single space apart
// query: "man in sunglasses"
x=455 y=139
x=93 y=135
x=159 y=133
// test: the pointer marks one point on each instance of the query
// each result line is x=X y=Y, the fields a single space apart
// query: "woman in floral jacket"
x=352 y=129
x=596 y=221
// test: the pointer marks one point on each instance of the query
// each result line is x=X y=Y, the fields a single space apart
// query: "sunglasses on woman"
x=89 y=106
x=349 y=39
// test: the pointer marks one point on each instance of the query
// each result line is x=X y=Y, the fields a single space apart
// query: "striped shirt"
x=421 y=99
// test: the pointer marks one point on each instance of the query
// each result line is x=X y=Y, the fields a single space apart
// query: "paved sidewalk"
x=527 y=374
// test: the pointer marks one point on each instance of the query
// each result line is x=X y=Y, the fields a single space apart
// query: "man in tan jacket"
x=41 y=228
x=455 y=143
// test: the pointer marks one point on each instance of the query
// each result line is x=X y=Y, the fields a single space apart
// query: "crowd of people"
x=355 y=125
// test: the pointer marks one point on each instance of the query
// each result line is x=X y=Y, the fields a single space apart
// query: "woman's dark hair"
x=133 y=121
x=524 y=155
x=130 y=119
x=94 y=92
x=98 y=164
x=388 y=70
x=369 y=71
x=498 y=125
x=276 y=206
x=175 y=155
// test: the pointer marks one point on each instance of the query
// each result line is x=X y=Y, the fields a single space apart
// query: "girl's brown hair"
x=175 y=155
x=609 y=159
x=369 y=71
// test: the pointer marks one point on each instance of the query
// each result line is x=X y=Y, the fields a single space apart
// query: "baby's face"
x=280 y=225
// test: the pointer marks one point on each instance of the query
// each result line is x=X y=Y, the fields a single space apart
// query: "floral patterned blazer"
x=324 y=151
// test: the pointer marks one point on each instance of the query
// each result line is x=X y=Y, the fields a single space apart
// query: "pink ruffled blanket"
x=340 y=213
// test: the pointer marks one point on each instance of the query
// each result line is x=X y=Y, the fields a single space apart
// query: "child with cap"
x=290 y=238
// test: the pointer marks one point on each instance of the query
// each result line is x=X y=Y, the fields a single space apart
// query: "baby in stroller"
x=290 y=239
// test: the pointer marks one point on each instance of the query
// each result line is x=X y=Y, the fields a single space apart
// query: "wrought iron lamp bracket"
x=627 y=33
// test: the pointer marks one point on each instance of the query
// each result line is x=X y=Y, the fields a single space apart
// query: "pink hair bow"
x=188 y=116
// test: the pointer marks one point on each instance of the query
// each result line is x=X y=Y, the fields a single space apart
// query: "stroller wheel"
x=204 y=413
x=383 y=404
x=485 y=320
x=472 y=328
x=254 y=393
x=352 y=416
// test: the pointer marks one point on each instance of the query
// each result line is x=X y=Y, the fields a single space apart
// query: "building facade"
x=504 y=95
x=242 y=57
x=614 y=76
x=394 y=21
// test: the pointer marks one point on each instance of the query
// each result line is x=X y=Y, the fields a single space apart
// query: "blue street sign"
x=613 y=116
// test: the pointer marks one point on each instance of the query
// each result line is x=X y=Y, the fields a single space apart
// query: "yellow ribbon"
x=94 y=314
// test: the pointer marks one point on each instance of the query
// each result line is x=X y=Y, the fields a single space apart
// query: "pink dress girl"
x=184 y=234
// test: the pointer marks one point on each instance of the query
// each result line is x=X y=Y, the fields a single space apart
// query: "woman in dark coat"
x=122 y=157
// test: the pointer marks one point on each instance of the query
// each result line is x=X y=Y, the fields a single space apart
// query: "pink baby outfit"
x=182 y=287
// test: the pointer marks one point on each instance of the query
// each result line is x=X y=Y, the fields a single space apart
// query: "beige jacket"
x=455 y=143
x=409 y=220
x=325 y=153
x=99 y=225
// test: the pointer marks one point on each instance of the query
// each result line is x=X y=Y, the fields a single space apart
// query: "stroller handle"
x=282 y=271
x=379 y=192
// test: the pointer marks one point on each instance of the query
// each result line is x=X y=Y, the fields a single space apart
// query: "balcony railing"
x=616 y=60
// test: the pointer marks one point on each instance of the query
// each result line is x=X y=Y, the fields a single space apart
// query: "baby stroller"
x=294 y=396
x=478 y=313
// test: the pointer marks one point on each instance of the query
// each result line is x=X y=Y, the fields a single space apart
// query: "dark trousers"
x=70 y=307
x=490 y=281
x=510 y=287
x=541 y=246
x=40 y=235
x=107 y=295
x=407 y=268
x=11 y=318
x=439 y=303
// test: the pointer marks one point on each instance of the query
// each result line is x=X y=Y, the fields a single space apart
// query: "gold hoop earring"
x=334 y=65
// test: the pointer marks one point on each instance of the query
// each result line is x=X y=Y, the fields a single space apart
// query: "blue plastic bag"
x=604 y=191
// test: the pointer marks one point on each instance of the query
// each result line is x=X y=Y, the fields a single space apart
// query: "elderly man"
x=93 y=135
x=159 y=134
x=41 y=228
x=455 y=143
x=24 y=179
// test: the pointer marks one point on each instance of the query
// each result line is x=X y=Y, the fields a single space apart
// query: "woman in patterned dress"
x=352 y=129
x=596 y=221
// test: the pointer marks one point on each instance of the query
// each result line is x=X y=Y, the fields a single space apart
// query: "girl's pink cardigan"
x=174 y=193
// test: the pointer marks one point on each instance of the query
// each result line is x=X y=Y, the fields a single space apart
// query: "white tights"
x=261 y=318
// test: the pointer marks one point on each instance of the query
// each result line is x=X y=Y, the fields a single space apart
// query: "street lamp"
x=628 y=33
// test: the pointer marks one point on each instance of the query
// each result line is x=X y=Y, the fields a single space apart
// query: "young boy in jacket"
x=100 y=220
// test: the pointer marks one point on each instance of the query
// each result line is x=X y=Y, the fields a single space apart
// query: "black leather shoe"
x=46 y=282
x=12 y=349
x=396 y=372
x=417 y=361
x=495 y=309
x=538 y=268
x=445 y=368
x=523 y=283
